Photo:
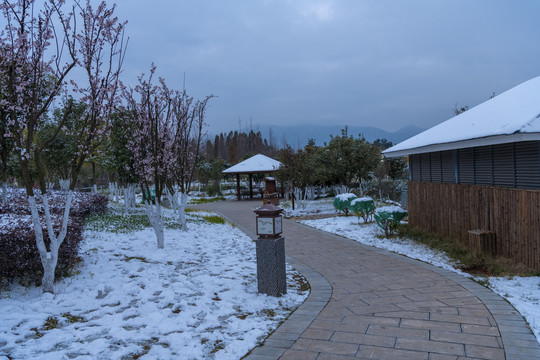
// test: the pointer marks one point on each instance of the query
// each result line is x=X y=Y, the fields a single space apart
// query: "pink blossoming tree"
x=165 y=145
x=150 y=108
x=41 y=46
x=189 y=131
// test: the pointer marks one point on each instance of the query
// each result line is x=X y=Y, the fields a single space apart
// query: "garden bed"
x=196 y=298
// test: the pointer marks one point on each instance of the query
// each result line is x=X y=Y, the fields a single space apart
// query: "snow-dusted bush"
x=342 y=202
x=83 y=204
x=388 y=218
x=19 y=255
x=363 y=208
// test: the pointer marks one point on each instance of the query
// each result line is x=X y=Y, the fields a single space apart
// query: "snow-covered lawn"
x=301 y=208
x=195 y=299
x=522 y=292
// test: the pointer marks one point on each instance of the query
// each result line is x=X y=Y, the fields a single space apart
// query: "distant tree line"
x=228 y=149
x=344 y=160
x=237 y=146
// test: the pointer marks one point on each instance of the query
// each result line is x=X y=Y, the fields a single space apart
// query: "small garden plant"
x=388 y=218
x=363 y=208
x=342 y=202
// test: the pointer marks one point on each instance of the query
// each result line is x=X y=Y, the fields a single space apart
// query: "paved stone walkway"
x=367 y=303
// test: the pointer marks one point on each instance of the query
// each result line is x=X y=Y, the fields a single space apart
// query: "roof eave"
x=484 y=141
x=249 y=172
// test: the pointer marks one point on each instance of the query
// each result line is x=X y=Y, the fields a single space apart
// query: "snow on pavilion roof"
x=509 y=117
x=255 y=164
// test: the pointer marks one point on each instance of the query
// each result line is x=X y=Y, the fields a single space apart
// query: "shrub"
x=342 y=202
x=83 y=204
x=388 y=218
x=212 y=190
x=19 y=256
x=363 y=208
x=206 y=200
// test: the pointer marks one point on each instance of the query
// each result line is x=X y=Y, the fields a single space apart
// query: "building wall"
x=512 y=165
x=453 y=209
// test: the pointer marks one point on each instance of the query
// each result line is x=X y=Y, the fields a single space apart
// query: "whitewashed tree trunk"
x=132 y=198
x=180 y=202
x=156 y=219
x=4 y=193
x=50 y=185
x=64 y=184
x=310 y=193
x=298 y=194
x=114 y=192
x=361 y=188
x=94 y=189
x=340 y=189
x=129 y=198
x=49 y=259
x=168 y=200
x=175 y=203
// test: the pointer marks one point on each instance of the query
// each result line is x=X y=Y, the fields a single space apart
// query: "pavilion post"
x=251 y=186
x=238 y=186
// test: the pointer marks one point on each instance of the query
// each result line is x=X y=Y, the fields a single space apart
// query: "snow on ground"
x=301 y=208
x=370 y=234
x=195 y=299
x=523 y=293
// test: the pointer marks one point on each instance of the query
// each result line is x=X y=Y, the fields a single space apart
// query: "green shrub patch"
x=388 y=218
x=363 y=208
x=342 y=202
x=19 y=256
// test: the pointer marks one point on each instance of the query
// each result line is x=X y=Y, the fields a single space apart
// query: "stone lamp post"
x=271 y=274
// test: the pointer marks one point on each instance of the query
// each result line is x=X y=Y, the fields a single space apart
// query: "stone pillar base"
x=271 y=274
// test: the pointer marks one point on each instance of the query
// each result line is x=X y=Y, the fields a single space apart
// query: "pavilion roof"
x=255 y=164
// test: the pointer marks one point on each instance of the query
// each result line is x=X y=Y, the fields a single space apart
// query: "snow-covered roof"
x=255 y=164
x=509 y=117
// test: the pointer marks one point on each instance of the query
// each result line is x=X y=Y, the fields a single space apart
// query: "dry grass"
x=470 y=262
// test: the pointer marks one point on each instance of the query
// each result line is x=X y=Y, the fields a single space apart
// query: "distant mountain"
x=297 y=136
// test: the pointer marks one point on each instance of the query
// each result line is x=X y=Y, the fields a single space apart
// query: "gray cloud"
x=379 y=63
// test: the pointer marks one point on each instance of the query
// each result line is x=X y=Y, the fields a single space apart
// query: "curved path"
x=367 y=303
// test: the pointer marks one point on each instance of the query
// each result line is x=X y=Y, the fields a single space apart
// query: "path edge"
x=519 y=342
x=299 y=320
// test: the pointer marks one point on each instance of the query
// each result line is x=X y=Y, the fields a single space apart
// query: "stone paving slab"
x=367 y=303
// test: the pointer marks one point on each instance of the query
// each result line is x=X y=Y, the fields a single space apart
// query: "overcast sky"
x=367 y=63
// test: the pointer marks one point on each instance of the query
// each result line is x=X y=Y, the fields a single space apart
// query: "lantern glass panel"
x=265 y=226
x=278 y=225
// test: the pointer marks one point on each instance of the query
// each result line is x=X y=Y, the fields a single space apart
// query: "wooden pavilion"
x=258 y=164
